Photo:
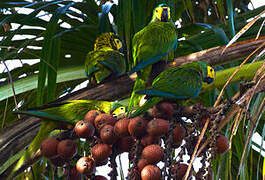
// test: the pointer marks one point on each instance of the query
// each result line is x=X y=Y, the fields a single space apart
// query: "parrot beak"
x=164 y=15
x=208 y=80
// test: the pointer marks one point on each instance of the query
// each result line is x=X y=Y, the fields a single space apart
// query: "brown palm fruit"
x=125 y=144
x=153 y=153
x=180 y=169
x=141 y=164
x=104 y=119
x=158 y=127
x=222 y=144
x=148 y=140
x=48 y=147
x=91 y=115
x=67 y=149
x=85 y=165
x=102 y=163
x=74 y=174
x=100 y=152
x=121 y=127
x=137 y=126
x=107 y=134
x=99 y=177
x=151 y=172
x=84 y=129
x=178 y=135
x=58 y=161
x=163 y=110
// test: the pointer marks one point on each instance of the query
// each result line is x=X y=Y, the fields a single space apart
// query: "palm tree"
x=57 y=35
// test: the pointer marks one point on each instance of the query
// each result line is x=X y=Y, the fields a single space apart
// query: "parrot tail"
x=147 y=105
x=139 y=85
x=44 y=130
x=135 y=98
x=44 y=116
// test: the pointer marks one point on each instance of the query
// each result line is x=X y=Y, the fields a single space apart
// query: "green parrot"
x=69 y=113
x=182 y=82
x=106 y=59
x=151 y=44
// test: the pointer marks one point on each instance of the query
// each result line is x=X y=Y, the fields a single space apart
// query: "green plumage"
x=71 y=110
x=150 y=44
x=182 y=82
x=54 y=114
x=105 y=60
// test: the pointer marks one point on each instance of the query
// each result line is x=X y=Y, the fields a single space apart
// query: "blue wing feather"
x=44 y=115
x=153 y=92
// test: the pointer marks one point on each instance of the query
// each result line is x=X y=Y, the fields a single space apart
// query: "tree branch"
x=23 y=131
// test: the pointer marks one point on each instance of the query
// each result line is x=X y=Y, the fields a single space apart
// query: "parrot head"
x=161 y=13
x=209 y=75
x=119 y=111
x=110 y=40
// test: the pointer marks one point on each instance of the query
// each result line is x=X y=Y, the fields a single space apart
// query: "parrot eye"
x=122 y=108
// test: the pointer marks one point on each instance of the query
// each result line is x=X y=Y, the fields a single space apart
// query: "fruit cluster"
x=148 y=139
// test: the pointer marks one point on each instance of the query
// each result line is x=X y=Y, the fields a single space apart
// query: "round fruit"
x=48 y=147
x=58 y=161
x=125 y=144
x=98 y=177
x=67 y=149
x=104 y=119
x=153 y=153
x=148 y=140
x=158 y=127
x=151 y=172
x=85 y=165
x=107 y=134
x=141 y=164
x=179 y=133
x=91 y=115
x=163 y=110
x=84 y=129
x=180 y=169
x=100 y=152
x=222 y=144
x=102 y=163
x=121 y=127
x=137 y=126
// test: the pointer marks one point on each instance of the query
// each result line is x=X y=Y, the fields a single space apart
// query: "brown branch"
x=16 y=137
x=214 y=57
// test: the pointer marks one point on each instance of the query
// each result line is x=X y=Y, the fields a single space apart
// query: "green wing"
x=73 y=110
x=152 y=43
x=102 y=63
x=181 y=82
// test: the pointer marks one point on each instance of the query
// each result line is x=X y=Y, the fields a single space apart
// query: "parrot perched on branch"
x=182 y=82
x=151 y=44
x=106 y=59
x=66 y=113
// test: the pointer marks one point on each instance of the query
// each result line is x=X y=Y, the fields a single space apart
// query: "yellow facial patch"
x=119 y=111
x=118 y=43
x=159 y=11
x=210 y=72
